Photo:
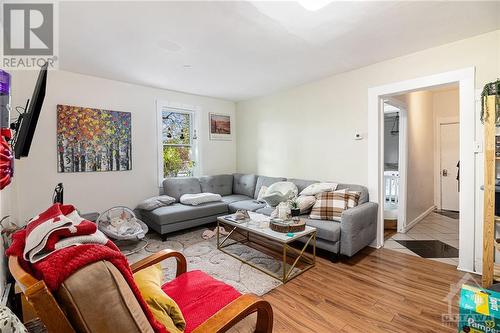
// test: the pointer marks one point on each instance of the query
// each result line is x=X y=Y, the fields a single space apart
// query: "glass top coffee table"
x=257 y=231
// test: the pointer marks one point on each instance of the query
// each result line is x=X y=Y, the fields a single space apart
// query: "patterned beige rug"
x=203 y=255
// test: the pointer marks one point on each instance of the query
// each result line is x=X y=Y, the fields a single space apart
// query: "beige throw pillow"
x=317 y=188
x=353 y=198
x=305 y=203
x=329 y=205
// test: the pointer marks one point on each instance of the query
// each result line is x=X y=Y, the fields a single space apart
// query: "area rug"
x=203 y=255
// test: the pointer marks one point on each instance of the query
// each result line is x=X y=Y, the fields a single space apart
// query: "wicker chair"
x=97 y=299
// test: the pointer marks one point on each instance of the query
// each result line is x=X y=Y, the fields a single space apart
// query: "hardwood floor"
x=375 y=291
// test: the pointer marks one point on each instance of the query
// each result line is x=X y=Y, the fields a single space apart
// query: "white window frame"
x=181 y=108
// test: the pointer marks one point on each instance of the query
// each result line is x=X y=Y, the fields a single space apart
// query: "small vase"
x=295 y=212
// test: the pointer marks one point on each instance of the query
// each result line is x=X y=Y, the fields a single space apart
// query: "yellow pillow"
x=164 y=309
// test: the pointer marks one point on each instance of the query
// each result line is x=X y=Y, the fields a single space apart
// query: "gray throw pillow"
x=156 y=202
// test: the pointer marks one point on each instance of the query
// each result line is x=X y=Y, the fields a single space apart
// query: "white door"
x=449 y=157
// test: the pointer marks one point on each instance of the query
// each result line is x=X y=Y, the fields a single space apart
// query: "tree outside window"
x=177 y=132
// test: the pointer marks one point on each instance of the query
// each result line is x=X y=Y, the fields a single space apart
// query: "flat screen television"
x=26 y=123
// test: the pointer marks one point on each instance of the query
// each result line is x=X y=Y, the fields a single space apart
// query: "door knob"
x=445 y=173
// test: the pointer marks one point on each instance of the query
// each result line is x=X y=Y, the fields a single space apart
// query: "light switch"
x=478 y=147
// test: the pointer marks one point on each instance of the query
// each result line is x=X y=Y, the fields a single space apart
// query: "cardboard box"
x=479 y=310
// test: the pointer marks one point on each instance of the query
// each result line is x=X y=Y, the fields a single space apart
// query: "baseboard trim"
x=419 y=218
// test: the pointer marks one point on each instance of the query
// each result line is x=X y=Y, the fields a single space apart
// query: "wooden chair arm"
x=23 y=278
x=237 y=310
x=159 y=257
x=40 y=298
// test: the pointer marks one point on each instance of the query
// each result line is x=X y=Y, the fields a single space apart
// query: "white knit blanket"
x=199 y=198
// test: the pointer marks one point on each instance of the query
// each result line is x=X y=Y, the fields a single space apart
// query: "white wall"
x=308 y=131
x=36 y=176
x=420 y=180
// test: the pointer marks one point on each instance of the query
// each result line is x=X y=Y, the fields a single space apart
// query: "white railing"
x=391 y=187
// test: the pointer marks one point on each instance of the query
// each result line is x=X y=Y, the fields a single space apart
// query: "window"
x=177 y=153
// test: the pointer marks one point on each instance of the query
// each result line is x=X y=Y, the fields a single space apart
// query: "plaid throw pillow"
x=353 y=198
x=329 y=205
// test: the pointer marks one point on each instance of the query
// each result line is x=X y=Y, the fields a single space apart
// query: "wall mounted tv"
x=26 y=123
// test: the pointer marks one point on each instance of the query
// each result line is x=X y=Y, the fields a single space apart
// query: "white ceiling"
x=237 y=50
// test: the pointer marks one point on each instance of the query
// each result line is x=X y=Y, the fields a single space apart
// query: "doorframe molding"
x=466 y=80
x=437 y=154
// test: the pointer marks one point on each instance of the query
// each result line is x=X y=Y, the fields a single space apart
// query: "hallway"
x=439 y=234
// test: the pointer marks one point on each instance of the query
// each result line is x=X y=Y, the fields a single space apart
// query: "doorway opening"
x=394 y=165
x=429 y=223
x=419 y=193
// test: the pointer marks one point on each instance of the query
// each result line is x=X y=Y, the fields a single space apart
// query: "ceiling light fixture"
x=313 y=5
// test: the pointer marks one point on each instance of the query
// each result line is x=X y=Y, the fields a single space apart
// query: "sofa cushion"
x=358 y=188
x=176 y=187
x=265 y=181
x=251 y=205
x=179 y=212
x=244 y=184
x=302 y=183
x=235 y=197
x=266 y=210
x=219 y=184
x=199 y=296
x=327 y=230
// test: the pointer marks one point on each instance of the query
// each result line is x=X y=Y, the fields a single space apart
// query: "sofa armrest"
x=358 y=228
x=237 y=310
x=159 y=257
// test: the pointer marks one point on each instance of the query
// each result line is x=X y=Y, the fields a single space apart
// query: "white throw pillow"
x=283 y=188
x=305 y=203
x=262 y=193
x=199 y=198
x=316 y=188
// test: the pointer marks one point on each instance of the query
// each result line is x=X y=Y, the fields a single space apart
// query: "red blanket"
x=60 y=264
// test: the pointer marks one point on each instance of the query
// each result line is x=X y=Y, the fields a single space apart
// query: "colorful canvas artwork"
x=93 y=139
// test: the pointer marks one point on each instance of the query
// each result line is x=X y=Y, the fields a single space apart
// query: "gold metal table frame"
x=286 y=274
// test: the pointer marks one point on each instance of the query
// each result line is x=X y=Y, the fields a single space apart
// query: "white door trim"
x=466 y=80
x=437 y=155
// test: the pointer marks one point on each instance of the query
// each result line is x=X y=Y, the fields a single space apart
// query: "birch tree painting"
x=93 y=139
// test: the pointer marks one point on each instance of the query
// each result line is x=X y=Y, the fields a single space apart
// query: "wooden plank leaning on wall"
x=489 y=194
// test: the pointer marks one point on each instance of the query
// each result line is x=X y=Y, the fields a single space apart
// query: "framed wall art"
x=90 y=140
x=220 y=126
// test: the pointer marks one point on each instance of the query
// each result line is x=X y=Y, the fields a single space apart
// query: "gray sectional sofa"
x=356 y=229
